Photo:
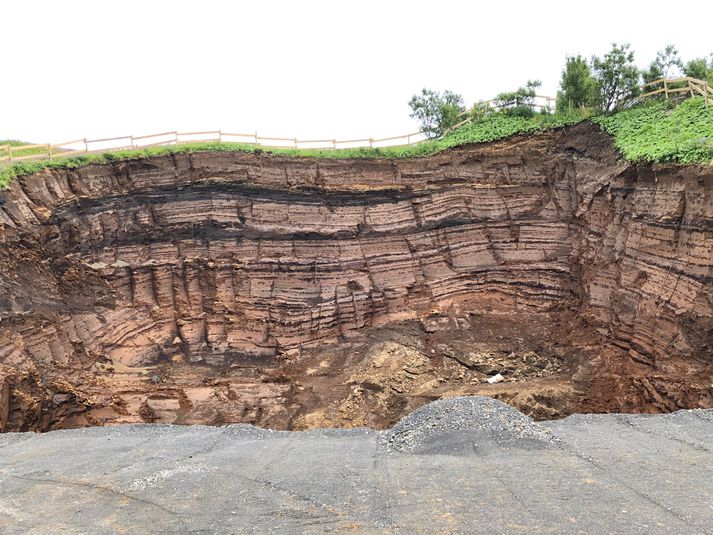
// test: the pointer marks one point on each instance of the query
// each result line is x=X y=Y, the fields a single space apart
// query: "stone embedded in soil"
x=294 y=292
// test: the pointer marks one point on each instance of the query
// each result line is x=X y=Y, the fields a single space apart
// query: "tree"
x=480 y=109
x=520 y=102
x=667 y=64
x=435 y=111
x=578 y=88
x=616 y=75
x=700 y=68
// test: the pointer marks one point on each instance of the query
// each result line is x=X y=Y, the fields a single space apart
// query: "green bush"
x=521 y=102
x=578 y=88
x=667 y=64
x=616 y=75
x=659 y=132
x=501 y=125
x=700 y=68
x=436 y=112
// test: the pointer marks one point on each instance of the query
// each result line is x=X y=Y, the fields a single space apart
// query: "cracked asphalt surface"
x=464 y=465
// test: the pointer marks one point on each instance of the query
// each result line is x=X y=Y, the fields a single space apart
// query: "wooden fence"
x=17 y=153
x=673 y=88
x=679 y=88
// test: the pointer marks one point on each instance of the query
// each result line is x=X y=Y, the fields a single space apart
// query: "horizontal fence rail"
x=679 y=88
x=18 y=153
x=669 y=88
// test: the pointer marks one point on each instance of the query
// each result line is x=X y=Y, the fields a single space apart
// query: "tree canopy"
x=578 y=88
x=617 y=76
x=667 y=64
x=521 y=102
x=436 y=112
x=701 y=68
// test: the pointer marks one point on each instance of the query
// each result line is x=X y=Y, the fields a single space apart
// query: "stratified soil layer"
x=297 y=292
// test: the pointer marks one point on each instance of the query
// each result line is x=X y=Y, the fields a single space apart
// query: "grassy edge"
x=624 y=127
x=12 y=171
x=424 y=148
x=661 y=132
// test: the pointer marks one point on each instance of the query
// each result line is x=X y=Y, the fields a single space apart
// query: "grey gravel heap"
x=464 y=424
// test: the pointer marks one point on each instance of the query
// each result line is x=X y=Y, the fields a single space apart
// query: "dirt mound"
x=297 y=292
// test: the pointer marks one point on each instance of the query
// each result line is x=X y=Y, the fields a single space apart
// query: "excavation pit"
x=293 y=292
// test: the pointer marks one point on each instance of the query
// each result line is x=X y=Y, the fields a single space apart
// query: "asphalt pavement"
x=463 y=465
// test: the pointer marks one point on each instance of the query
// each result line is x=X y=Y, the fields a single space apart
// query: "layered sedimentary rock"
x=178 y=284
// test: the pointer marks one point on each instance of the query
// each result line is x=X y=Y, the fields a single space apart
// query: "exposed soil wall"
x=294 y=292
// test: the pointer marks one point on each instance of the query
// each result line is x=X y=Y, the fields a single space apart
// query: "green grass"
x=16 y=143
x=13 y=142
x=490 y=128
x=658 y=132
x=499 y=126
x=654 y=132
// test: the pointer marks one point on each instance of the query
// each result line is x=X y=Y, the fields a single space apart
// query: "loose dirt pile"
x=296 y=292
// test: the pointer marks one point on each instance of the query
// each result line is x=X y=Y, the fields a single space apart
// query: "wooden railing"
x=17 y=153
x=669 y=88
x=679 y=87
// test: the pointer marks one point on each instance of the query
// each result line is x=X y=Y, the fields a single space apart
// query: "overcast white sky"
x=341 y=69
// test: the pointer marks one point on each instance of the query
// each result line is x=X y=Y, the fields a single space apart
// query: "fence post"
x=175 y=137
x=334 y=144
x=256 y=138
x=665 y=87
x=86 y=145
x=9 y=151
x=408 y=139
x=295 y=140
x=371 y=142
x=220 y=136
x=131 y=137
x=49 y=150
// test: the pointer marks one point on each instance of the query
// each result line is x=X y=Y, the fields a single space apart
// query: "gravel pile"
x=464 y=425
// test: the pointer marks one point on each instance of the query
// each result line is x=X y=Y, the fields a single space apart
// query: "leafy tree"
x=435 y=111
x=616 y=76
x=578 y=88
x=700 y=68
x=480 y=110
x=667 y=64
x=521 y=102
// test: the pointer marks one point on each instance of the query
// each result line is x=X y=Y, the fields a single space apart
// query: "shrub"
x=521 y=102
x=700 y=68
x=480 y=110
x=662 y=132
x=667 y=64
x=616 y=75
x=435 y=111
x=578 y=88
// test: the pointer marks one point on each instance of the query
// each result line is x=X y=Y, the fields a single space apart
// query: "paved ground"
x=467 y=465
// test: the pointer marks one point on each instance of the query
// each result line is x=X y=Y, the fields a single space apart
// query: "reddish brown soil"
x=294 y=293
